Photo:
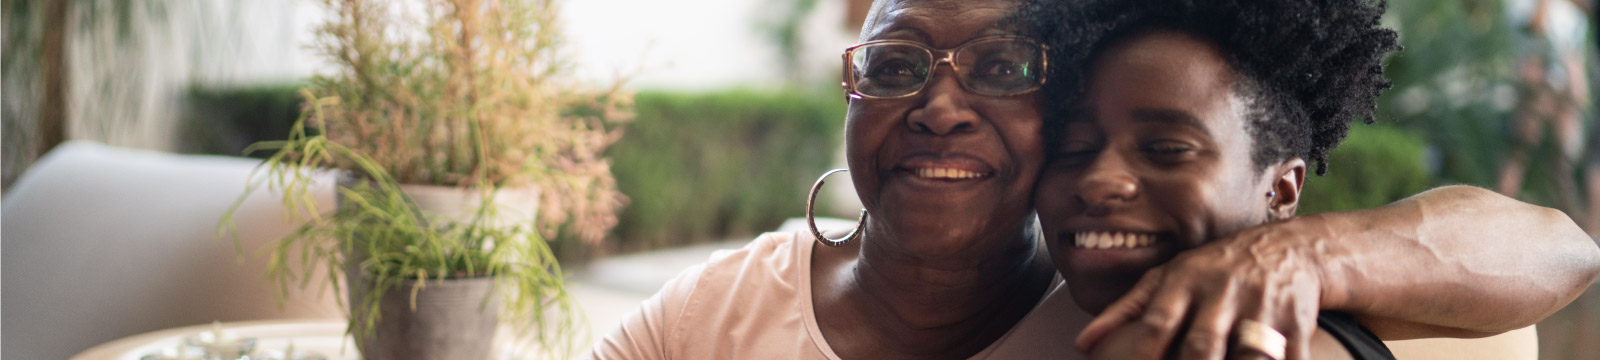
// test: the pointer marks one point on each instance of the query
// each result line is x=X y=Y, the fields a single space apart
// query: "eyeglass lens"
x=995 y=67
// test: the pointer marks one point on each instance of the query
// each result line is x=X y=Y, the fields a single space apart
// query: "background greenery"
x=697 y=167
x=726 y=164
x=1376 y=165
x=702 y=167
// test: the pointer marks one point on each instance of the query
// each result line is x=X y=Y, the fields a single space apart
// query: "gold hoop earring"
x=811 y=218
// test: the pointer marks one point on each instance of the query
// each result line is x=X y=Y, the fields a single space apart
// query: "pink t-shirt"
x=755 y=303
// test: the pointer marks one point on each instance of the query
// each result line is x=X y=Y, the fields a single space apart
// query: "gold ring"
x=1260 y=337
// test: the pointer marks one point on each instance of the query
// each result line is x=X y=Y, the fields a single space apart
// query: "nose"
x=945 y=110
x=1107 y=184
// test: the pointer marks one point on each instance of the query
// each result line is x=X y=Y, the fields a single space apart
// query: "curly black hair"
x=1309 y=67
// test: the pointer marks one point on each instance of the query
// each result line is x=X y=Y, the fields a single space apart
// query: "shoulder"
x=772 y=259
x=749 y=302
x=767 y=261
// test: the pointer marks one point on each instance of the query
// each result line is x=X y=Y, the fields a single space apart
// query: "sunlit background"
x=739 y=108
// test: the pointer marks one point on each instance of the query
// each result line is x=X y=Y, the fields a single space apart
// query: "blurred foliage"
x=703 y=167
x=1453 y=83
x=1455 y=87
x=122 y=66
x=1378 y=164
x=224 y=120
x=697 y=167
x=783 y=28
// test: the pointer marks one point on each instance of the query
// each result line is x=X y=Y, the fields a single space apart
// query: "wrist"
x=1326 y=247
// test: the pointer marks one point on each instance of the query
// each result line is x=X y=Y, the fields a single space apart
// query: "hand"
x=1263 y=274
x=1123 y=343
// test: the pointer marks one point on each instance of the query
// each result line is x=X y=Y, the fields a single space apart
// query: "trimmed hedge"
x=1376 y=165
x=705 y=167
x=224 y=121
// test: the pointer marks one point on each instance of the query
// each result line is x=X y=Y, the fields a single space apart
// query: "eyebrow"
x=916 y=33
x=1169 y=116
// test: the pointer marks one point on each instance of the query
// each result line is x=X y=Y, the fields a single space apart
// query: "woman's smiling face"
x=1155 y=159
x=945 y=167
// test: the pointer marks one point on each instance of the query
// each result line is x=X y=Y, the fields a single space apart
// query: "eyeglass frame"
x=948 y=57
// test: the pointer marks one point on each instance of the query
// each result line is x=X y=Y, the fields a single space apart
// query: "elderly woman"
x=944 y=138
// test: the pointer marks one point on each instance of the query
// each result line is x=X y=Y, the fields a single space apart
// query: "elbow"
x=1582 y=254
x=1583 y=249
x=1472 y=193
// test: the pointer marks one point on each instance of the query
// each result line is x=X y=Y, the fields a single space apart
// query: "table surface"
x=322 y=336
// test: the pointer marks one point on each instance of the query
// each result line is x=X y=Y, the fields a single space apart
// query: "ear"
x=1286 y=185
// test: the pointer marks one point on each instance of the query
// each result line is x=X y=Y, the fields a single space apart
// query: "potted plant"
x=451 y=125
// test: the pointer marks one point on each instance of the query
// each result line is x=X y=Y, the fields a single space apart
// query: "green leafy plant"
x=476 y=101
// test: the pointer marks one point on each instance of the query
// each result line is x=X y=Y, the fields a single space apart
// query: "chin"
x=1094 y=296
x=1090 y=303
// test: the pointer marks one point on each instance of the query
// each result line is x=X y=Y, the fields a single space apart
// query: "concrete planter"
x=451 y=318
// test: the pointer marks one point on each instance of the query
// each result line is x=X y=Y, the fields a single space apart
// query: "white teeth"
x=1107 y=240
x=946 y=173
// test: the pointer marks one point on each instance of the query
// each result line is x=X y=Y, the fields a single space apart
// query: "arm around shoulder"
x=1484 y=263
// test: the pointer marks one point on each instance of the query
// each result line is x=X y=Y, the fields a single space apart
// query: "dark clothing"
x=1362 y=344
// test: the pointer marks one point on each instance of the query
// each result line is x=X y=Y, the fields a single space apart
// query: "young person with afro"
x=1188 y=124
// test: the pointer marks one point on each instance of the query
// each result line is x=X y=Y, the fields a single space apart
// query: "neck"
x=950 y=304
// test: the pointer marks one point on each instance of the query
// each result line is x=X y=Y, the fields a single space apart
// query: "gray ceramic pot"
x=453 y=319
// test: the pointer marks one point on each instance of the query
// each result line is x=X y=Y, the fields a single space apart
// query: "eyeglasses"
x=993 y=66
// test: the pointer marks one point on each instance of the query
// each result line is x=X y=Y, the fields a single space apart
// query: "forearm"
x=1453 y=261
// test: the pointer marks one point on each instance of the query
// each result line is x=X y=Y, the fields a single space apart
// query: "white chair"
x=103 y=242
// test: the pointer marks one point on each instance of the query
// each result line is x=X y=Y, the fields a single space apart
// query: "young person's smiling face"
x=1155 y=159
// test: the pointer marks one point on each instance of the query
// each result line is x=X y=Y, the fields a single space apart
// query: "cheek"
x=1053 y=197
x=868 y=124
x=856 y=130
x=1023 y=128
x=1223 y=207
x=1201 y=205
x=1186 y=201
x=1028 y=149
x=861 y=141
x=867 y=130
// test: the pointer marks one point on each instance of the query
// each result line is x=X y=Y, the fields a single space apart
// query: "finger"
x=1207 y=334
x=1163 y=317
x=1300 y=345
x=1124 y=310
x=1119 y=344
x=1253 y=337
x=1300 y=330
x=1244 y=354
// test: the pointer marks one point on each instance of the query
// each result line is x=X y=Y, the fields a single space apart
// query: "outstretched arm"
x=1456 y=261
